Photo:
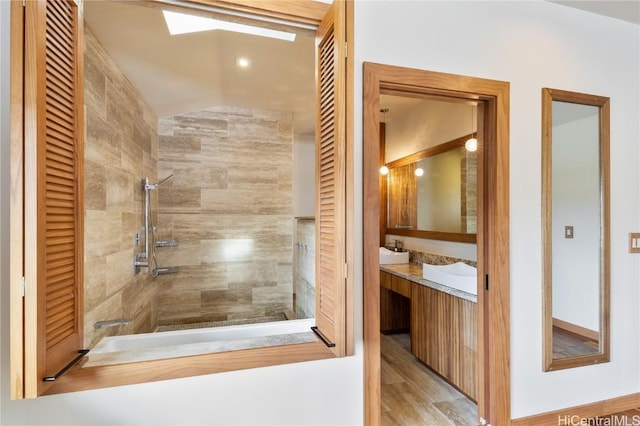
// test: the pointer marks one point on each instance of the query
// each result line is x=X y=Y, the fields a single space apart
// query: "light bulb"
x=419 y=172
x=384 y=170
x=471 y=145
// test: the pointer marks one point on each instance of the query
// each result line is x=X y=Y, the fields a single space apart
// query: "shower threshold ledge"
x=172 y=344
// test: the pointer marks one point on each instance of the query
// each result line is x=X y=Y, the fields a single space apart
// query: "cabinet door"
x=395 y=309
x=443 y=336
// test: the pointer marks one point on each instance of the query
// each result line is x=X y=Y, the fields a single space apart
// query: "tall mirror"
x=575 y=197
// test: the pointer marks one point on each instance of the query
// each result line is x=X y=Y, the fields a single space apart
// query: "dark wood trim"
x=384 y=182
x=434 y=235
x=430 y=152
x=586 y=411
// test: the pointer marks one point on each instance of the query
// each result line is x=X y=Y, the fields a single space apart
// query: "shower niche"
x=147 y=258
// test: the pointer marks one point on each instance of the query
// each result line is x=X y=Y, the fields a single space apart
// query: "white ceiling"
x=626 y=10
x=189 y=72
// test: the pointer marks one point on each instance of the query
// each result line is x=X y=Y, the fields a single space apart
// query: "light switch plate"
x=568 y=231
x=634 y=242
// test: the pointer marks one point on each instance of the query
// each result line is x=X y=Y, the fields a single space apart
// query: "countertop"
x=413 y=272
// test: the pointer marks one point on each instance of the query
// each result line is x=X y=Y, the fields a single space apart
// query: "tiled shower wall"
x=120 y=149
x=304 y=272
x=230 y=206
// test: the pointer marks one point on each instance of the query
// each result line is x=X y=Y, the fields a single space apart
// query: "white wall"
x=534 y=44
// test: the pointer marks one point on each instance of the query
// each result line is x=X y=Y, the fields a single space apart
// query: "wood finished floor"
x=413 y=395
x=566 y=344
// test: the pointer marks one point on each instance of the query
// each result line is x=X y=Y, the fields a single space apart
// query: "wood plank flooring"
x=413 y=395
x=566 y=344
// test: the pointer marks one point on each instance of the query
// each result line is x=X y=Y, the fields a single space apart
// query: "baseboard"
x=576 y=329
x=569 y=416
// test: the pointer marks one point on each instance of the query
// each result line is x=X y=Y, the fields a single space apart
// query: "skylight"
x=181 y=23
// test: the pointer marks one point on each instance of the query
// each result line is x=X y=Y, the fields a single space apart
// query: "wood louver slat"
x=55 y=27
x=330 y=180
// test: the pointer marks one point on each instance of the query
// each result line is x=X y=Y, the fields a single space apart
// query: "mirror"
x=430 y=192
x=575 y=198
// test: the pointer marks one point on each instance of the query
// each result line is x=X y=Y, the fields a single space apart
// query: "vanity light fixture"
x=384 y=170
x=182 y=23
x=471 y=144
x=419 y=172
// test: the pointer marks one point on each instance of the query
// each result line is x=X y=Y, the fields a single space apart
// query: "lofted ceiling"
x=189 y=72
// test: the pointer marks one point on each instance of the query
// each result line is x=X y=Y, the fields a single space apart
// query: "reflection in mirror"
x=575 y=232
x=431 y=185
x=437 y=192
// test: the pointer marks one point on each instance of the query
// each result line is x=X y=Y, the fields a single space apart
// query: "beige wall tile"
x=120 y=149
x=119 y=271
x=95 y=193
x=102 y=233
x=119 y=191
x=240 y=161
x=188 y=253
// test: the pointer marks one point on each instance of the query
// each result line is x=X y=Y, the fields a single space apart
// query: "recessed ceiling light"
x=243 y=62
x=181 y=23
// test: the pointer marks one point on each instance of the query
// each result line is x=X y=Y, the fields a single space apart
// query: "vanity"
x=441 y=320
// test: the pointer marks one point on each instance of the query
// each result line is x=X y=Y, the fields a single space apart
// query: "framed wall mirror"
x=575 y=237
x=429 y=173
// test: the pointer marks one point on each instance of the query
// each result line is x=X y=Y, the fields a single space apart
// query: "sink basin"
x=389 y=257
x=457 y=275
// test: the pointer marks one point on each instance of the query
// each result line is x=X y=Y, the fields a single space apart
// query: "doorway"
x=492 y=97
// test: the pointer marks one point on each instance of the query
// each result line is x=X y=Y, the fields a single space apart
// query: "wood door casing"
x=493 y=317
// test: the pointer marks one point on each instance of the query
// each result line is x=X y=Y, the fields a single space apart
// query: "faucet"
x=398 y=245
x=111 y=323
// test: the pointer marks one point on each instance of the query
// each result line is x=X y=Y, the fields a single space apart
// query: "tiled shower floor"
x=190 y=326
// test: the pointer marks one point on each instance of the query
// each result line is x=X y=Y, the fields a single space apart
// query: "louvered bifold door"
x=53 y=134
x=330 y=178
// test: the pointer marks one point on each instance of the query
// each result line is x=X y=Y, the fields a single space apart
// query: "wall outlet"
x=634 y=242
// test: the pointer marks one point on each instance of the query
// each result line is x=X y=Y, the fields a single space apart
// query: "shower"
x=147 y=259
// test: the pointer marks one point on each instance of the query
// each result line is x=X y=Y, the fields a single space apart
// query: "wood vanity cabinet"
x=395 y=304
x=443 y=336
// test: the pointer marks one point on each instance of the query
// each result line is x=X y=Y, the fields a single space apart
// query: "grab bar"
x=111 y=323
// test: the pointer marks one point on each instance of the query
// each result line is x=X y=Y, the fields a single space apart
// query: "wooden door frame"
x=494 y=387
